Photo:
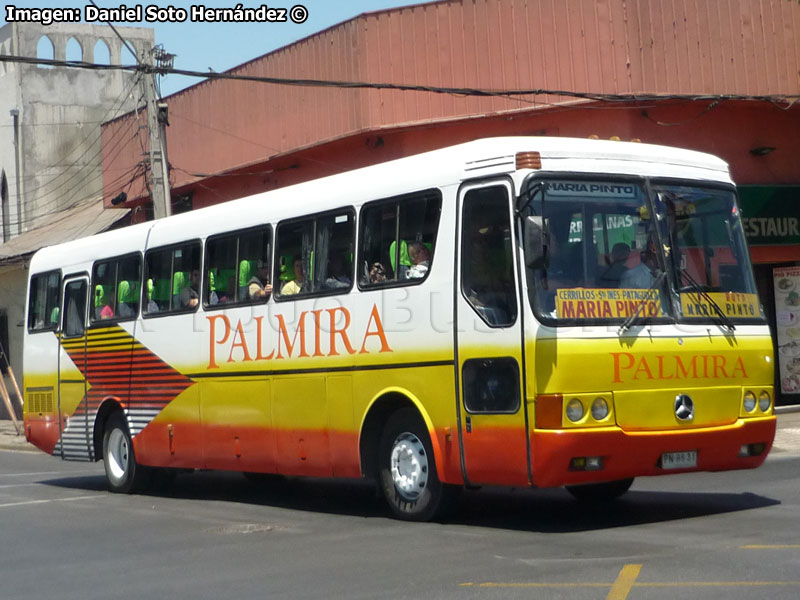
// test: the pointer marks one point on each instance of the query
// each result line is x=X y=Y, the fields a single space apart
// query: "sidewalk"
x=787 y=438
x=9 y=440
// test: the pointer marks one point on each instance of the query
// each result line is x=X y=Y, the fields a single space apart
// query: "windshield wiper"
x=626 y=324
x=698 y=291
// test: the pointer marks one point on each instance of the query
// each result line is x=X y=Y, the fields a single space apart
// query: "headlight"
x=575 y=410
x=599 y=409
x=749 y=401
x=764 y=401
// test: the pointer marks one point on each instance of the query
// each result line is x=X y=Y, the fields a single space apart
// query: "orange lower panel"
x=637 y=454
x=237 y=448
x=448 y=457
x=496 y=456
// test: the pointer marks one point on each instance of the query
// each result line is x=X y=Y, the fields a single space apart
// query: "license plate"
x=679 y=460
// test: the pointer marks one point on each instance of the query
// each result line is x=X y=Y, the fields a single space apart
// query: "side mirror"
x=534 y=241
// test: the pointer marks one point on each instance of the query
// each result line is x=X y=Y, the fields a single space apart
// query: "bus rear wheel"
x=407 y=470
x=600 y=492
x=123 y=473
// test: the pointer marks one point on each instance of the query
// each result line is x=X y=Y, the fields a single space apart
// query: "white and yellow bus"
x=520 y=311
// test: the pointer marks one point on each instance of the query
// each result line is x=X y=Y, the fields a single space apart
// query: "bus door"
x=493 y=419
x=72 y=384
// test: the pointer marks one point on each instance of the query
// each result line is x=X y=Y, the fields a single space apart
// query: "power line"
x=787 y=99
x=53 y=188
x=59 y=207
x=131 y=173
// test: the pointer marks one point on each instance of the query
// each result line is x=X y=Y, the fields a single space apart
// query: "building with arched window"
x=50 y=154
x=52 y=158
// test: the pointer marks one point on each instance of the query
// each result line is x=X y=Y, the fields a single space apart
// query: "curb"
x=21 y=447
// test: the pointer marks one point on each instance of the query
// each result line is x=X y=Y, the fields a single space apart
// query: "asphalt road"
x=215 y=535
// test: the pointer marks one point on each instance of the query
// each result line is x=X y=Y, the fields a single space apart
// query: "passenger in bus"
x=295 y=286
x=38 y=315
x=337 y=277
x=641 y=276
x=107 y=310
x=610 y=278
x=559 y=271
x=127 y=296
x=189 y=296
x=377 y=273
x=259 y=286
x=420 y=260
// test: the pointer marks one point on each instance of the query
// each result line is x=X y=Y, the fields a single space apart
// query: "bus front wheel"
x=600 y=492
x=123 y=473
x=407 y=469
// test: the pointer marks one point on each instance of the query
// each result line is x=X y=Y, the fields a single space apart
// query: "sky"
x=202 y=46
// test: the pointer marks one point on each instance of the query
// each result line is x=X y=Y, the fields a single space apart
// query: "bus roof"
x=438 y=168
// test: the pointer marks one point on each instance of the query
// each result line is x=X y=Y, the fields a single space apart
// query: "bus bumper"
x=43 y=432
x=627 y=454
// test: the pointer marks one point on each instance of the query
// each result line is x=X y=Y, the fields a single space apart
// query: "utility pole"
x=18 y=166
x=156 y=123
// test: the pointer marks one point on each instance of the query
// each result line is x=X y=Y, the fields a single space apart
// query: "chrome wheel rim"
x=409 y=466
x=118 y=454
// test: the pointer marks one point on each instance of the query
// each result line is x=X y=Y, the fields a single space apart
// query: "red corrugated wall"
x=599 y=46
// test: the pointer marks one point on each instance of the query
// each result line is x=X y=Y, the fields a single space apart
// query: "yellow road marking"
x=625 y=581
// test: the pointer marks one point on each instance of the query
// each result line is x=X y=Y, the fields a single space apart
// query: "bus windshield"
x=705 y=249
x=623 y=250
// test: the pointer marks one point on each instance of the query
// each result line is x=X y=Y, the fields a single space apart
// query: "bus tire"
x=407 y=474
x=600 y=492
x=123 y=473
x=264 y=479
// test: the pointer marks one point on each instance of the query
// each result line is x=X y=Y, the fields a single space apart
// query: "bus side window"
x=115 y=289
x=238 y=268
x=129 y=286
x=75 y=308
x=254 y=277
x=315 y=254
x=487 y=267
x=44 y=301
x=221 y=266
x=104 y=275
x=175 y=276
x=398 y=238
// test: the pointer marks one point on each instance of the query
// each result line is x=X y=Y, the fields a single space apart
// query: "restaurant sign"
x=770 y=214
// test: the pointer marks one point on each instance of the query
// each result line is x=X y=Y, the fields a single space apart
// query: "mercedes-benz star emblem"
x=684 y=407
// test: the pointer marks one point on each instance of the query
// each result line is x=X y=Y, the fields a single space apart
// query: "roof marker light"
x=529 y=160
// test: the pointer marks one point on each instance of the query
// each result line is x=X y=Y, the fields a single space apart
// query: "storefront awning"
x=79 y=221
